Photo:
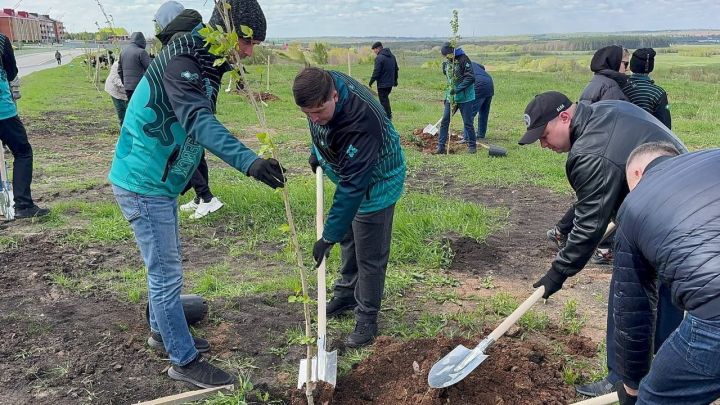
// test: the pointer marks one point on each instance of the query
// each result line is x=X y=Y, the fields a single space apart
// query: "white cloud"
x=383 y=18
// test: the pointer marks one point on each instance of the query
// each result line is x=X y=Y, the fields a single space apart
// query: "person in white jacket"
x=114 y=87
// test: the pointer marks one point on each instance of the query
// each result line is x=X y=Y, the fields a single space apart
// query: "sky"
x=409 y=18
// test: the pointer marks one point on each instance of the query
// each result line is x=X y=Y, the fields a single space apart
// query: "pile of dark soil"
x=265 y=96
x=517 y=372
x=427 y=143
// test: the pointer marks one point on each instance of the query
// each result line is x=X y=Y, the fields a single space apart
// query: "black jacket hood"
x=184 y=22
x=138 y=39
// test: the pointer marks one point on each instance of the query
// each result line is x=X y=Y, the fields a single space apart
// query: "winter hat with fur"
x=243 y=12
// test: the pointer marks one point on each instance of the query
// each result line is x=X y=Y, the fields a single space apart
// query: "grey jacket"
x=602 y=87
x=134 y=60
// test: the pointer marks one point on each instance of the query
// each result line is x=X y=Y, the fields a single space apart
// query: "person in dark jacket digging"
x=642 y=90
x=484 y=92
x=14 y=136
x=460 y=95
x=385 y=74
x=174 y=20
x=169 y=122
x=609 y=64
x=598 y=138
x=669 y=232
x=134 y=61
x=357 y=146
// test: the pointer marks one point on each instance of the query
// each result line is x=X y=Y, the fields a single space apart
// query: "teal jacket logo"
x=351 y=151
x=191 y=77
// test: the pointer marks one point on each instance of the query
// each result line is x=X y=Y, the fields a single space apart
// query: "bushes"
x=550 y=64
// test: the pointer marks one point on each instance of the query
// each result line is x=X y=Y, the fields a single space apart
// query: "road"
x=43 y=60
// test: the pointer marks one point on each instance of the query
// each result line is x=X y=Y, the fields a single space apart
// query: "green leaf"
x=284 y=228
x=232 y=39
x=227 y=6
x=246 y=31
x=219 y=62
x=264 y=138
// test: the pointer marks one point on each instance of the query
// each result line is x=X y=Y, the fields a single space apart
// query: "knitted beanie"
x=642 y=60
x=446 y=49
x=243 y=12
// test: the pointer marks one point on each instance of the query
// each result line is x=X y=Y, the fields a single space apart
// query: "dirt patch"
x=265 y=96
x=516 y=372
x=428 y=143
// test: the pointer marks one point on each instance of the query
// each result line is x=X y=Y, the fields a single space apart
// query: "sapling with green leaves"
x=225 y=45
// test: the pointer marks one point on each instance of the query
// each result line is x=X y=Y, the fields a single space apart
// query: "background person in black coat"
x=669 y=232
x=385 y=74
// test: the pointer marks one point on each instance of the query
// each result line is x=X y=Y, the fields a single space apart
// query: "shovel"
x=461 y=361
x=6 y=194
x=432 y=129
x=493 y=150
x=606 y=399
x=324 y=365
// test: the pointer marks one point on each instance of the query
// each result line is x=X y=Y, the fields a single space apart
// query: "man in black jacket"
x=599 y=139
x=385 y=74
x=669 y=232
x=134 y=61
x=642 y=90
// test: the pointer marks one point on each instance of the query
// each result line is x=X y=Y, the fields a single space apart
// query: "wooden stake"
x=268 y=75
x=349 y=68
x=186 y=397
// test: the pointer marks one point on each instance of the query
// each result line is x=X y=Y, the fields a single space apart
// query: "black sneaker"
x=596 y=389
x=31 y=212
x=201 y=373
x=602 y=257
x=337 y=307
x=556 y=237
x=155 y=340
x=363 y=335
x=472 y=151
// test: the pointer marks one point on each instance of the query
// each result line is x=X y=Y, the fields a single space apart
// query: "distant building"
x=30 y=27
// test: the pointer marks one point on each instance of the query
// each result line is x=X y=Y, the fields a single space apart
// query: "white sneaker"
x=205 y=208
x=189 y=206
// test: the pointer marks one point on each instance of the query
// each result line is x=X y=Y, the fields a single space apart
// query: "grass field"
x=244 y=246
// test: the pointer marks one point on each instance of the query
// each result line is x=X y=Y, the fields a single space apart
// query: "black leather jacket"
x=669 y=229
x=602 y=135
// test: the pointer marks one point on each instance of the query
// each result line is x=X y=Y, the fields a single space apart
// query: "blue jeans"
x=467 y=117
x=154 y=221
x=481 y=107
x=686 y=369
x=668 y=318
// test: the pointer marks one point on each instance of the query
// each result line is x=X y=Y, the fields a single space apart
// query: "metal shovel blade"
x=455 y=366
x=430 y=129
x=327 y=371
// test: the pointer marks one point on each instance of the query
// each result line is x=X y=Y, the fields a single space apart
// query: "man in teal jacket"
x=359 y=149
x=169 y=120
x=460 y=95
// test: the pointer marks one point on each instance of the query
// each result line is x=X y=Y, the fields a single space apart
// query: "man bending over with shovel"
x=358 y=147
x=598 y=138
x=169 y=120
x=669 y=231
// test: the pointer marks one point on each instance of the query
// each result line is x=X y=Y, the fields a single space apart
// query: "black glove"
x=314 y=163
x=623 y=396
x=268 y=171
x=371 y=83
x=552 y=281
x=321 y=250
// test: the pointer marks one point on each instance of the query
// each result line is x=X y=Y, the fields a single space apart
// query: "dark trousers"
x=200 y=183
x=365 y=250
x=668 y=319
x=120 y=107
x=565 y=225
x=686 y=369
x=129 y=94
x=12 y=134
x=384 y=96
x=466 y=111
x=482 y=106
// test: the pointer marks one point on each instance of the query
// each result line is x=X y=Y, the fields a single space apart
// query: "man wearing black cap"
x=460 y=94
x=599 y=138
x=385 y=74
x=642 y=90
x=170 y=120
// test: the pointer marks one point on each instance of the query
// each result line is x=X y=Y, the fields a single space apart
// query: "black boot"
x=337 y=306
x=31 y=212
x=363 y=335
x=201 y=373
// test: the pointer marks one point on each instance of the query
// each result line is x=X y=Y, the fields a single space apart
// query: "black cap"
x=446 y=49
x=542 y=109
x=376 y=45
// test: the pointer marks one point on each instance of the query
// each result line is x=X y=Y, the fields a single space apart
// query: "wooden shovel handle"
x=520 y=311
x=601 y=400
x=319 y=226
